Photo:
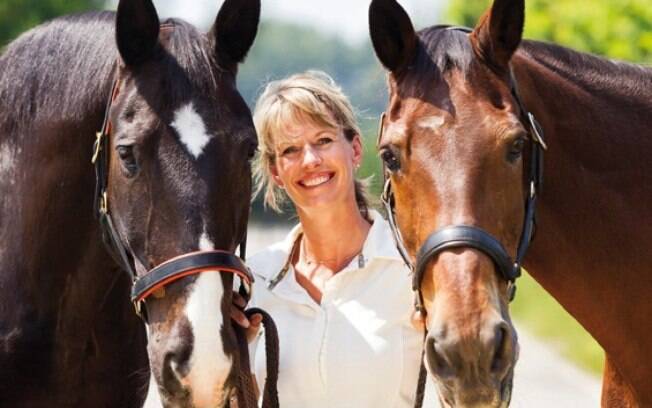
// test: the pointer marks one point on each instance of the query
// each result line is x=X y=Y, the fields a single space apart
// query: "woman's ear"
x=356 y=143
x=275 y=177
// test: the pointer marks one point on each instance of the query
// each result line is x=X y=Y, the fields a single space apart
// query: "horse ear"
x=499 y=32
x=137 y=27
x=234 y=31
x=392 y=34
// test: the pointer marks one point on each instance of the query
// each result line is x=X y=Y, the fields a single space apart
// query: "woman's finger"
x=239 y=317
x=238 y=300
x=254 y=326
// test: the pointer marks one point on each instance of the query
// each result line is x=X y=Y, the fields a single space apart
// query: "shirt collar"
x=379 y=244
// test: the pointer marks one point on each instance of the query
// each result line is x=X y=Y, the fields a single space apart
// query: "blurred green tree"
x=17 y=16
x=614 y=28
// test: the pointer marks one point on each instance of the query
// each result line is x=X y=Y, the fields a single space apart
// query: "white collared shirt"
x=357 y=348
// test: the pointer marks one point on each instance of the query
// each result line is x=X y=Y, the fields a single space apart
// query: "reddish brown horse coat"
x=453 y=126
x=591 y=251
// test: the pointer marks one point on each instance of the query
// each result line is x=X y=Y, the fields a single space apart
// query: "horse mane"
x=62 y=70
x=448 y=48
x=595 y=73
x=54 y=70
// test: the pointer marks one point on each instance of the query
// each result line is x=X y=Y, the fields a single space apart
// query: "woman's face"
x=316 y=165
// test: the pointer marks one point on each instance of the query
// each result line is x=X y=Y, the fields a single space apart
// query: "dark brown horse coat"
x=67 y=335
x=179 y=180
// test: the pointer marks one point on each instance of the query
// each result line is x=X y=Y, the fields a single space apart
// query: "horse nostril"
x=436 y=358
x=176 y=365
x=502 y=345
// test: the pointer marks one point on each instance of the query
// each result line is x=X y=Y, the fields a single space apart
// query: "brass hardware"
x=104 y=203
x=159 y=293
x=98 y=146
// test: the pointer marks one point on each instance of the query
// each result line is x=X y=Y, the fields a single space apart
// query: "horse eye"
x=516 y=148
x=128 y=160
x=252 y=150
x=391 y=161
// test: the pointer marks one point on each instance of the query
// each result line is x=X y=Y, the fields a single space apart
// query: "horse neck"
x=594 y=210
x=54 y=83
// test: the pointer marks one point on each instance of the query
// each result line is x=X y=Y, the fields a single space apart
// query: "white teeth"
x=316 y=181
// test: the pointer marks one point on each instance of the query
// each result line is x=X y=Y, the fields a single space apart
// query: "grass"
x=535 y=310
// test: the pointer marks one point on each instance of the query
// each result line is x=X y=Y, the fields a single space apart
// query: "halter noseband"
x=172 y=270
x=469 y=236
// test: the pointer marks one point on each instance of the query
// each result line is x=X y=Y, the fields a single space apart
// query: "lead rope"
x=270 y=392
x=421 y=382
x=246 y=394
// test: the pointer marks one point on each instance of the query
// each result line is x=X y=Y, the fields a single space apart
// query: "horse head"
x=452 y=144
x=178 y=181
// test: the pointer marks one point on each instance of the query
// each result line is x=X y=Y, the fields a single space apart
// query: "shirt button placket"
x=325 y=316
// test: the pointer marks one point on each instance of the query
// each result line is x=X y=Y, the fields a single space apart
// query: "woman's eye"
x=324 y=141
x=128 y=160
x=289 y=150
x=390 y=160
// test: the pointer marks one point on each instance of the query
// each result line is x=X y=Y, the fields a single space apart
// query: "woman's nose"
x=311 y=157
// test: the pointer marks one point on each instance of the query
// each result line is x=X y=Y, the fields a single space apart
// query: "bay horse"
x=470 y=114
x=172 y=176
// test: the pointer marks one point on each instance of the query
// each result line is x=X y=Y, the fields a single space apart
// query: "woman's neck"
x=332 y=238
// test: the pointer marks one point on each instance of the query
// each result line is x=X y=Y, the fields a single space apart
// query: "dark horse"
x=181 y=137
x=461 y=149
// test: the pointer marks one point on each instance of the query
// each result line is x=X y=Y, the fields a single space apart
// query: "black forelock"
x=190 y=53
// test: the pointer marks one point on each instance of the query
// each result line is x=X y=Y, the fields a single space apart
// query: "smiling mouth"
x=316 y=181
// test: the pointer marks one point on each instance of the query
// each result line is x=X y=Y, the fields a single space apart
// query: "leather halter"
x=170 y=271
x=470 y=236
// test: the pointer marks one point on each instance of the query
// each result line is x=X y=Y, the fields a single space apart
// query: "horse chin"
x=185 y=399
x=451 y=396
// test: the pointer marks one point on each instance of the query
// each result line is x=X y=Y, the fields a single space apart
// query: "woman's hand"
x=252 y=325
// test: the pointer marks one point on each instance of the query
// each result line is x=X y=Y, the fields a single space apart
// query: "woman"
x=336 y=286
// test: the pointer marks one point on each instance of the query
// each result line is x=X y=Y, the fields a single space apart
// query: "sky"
x=344 y=18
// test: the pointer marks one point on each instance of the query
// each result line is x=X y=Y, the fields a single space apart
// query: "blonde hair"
x=313 y=96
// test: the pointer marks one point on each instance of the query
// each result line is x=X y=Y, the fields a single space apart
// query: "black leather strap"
x=464 y=236
x=185 y=265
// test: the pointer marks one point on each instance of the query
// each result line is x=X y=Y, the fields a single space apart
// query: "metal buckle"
x=104 y=208
x=97 y=147
x=536 y=131
x=381 y=122
x=384 y=197
x=511 y=290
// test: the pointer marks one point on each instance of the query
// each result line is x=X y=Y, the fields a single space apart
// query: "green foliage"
x=540 y=313
x=17 y=16
x=614 y=28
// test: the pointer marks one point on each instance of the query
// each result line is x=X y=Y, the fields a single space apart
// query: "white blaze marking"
x=191 y=129
x=153 y=399
x=209 y=364
x=205 y=243
x=431 y=122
